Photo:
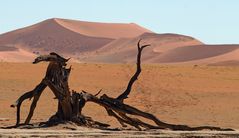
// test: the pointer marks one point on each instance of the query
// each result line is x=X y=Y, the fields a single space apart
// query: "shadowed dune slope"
x=226 y=63
x=7 y=48
x=159 y=42
x=183 y=54
x=16 y=55
x=124 y=49
x=50 y=36
x=166 y=48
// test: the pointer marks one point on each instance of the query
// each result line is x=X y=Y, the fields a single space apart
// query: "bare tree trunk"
x=70 y=104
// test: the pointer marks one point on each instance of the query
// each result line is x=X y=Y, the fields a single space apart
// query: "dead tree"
x=71 y=103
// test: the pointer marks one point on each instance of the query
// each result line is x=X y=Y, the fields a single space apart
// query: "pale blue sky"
x=211 y=21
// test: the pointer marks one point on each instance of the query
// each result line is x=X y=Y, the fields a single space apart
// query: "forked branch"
x=127 y=91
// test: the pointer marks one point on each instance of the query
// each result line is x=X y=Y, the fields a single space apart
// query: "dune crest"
x=107 y=30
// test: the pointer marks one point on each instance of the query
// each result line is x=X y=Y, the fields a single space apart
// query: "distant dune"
x=7 y=48
x=107 y=30
x=227 y=59
x=124 y=49
x=191 y=53
x=226 y=63
x=18 y=55
x=68 y=37
x=51 y=36
x=110 y=43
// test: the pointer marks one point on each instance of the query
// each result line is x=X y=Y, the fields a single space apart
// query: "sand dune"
x=166 y=48
x=7 y=48
x=190 y=53
x=110 y=43
x=18 y=55
x=108 y=30
x=67 y=37
x=226 y=59
x=225 y=63
x=51 y=36
x=124 y=49
x=159 y=42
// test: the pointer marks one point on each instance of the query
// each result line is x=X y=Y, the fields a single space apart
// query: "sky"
x=211 y=21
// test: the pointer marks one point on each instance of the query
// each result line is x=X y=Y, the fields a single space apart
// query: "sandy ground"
x=115 y=134
x=182 y=94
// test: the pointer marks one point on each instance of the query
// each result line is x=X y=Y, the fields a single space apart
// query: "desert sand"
x=179 y=94
x=195 y=84
x=82 y=132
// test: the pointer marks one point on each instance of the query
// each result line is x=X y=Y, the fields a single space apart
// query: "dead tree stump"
x=71 y=103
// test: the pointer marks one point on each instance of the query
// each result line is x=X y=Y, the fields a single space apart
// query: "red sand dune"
x=124 y=49
x=226 y=59
x=13 y=54
x=190 y=53
x=51 y=36
x=166 y=48
x=18 y=55
x=159 y=42
x=108 y=30
x=68 y=37
x=226 y=63
x=109 y=43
